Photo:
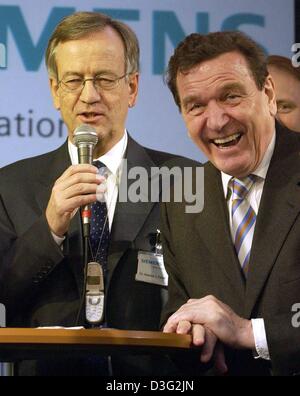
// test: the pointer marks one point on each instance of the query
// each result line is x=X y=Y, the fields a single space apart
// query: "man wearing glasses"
x=93 y=65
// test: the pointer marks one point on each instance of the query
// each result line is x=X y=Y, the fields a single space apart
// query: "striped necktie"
x=99 y=236
x=243 y=220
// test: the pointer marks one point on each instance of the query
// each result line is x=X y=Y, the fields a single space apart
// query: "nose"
x=216 y=116
x=89 y=93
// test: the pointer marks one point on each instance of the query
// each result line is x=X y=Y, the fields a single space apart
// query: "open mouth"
x=227 y=141
x=89 y=115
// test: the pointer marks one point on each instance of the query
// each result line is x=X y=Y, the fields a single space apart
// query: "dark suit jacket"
x=200 y=258
x=41 y=285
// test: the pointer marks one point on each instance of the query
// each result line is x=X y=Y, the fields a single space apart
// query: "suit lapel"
x=73 y=246
x=129 y=216
x=74 y=250
x=279 y=207
x=58 y=163
x=213 y=228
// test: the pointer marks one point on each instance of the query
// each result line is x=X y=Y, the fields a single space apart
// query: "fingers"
x=209 y=345
x=184 y=327
x=199 y=336
x=76 y=187
x=76 y=175
x=71 y=204
x=202 y=336
x=170 y=327
x=208 y=311
x=75 y=169
x=79 y=190
x=193 y=311
x=212 y=349
x=219 y=360
x=219 y=318
x=77 y=181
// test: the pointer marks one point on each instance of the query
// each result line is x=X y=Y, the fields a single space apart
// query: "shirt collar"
x=112 y=159
x=260 y=171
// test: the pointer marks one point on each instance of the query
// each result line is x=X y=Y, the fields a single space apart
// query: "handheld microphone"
x=85 y=139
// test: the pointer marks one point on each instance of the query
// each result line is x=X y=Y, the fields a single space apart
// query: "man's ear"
x=54 y=92
x=270 y=92
x=133 y=88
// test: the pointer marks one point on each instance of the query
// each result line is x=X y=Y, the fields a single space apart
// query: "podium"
x=30 y=344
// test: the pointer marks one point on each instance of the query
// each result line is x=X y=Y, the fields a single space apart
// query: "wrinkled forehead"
x=231 y=65
x=103 y=41
x=103 y=50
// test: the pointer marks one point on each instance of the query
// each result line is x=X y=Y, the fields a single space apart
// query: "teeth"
x=227 y=139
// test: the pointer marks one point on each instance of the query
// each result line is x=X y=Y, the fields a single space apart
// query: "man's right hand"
x=76 y=187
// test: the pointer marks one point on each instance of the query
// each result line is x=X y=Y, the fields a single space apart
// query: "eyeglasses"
x=76 y=85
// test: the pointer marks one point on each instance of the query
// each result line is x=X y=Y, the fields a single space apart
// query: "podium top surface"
x=19 y=344
x=93 y=336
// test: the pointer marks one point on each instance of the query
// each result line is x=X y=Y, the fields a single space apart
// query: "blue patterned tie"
x=243 y=220
x=99 y=236
x=99 y=243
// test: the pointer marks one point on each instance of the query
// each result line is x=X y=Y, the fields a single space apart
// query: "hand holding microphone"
x=85 y=139
x=77 y=186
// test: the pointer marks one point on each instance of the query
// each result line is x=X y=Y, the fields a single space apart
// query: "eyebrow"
x=71 y=73
x=190 y=99
x=233 y=87
x=98 y=73
x=286 y=102
x=226 y=87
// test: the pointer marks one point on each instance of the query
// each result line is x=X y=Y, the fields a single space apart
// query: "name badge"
x=151 y=269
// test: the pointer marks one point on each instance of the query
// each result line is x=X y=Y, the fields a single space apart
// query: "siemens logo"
x=166 y=28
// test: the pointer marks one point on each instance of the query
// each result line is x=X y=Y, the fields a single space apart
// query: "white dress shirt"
x=112 y=160
x=254 y=197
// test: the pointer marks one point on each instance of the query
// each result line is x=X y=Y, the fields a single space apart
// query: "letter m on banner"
x=2 y=56
x=13 y=21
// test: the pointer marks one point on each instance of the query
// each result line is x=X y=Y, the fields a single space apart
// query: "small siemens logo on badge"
x=3 y=56
x=2 y=316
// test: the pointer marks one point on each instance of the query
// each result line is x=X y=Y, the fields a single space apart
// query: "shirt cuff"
x=260 y=338
x=58 y=240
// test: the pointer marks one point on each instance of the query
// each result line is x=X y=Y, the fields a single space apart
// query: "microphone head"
x=85 y=135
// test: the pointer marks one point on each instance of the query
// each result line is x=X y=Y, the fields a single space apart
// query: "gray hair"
x=81 y=24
